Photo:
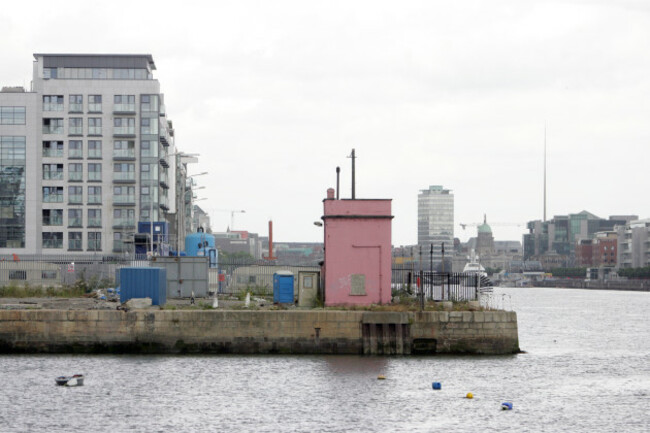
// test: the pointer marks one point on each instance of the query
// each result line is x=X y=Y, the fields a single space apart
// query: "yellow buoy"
x=469 y=395
x=381 y=377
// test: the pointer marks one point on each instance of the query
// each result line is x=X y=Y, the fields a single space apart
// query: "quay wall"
x=258 y=332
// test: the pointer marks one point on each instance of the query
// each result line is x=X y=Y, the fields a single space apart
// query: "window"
x=124 y=149
x=94 y=217
x=52 y=194
x=149 y=148
x=94 y=241
x=74 y=241
x=52 y=103
x=76 y=104
x=52 y=240
x=75 y=149
x=52 y=126
x=94 y=195
x=12 y=115
x=124 y=126
x=75 y=126
x=50 y=73
x=94 y=172
x=52 y=217
x=94 y=149
x=149 y=103
x=75 y=172
x=48 y=275
x=52 y=171
x=95 y=126
x=149 y=171
x=124 y=195
x=124 y=103
x=75 y=194
x=94 y=103
x=75 y=218
x=149 y=126
x=53 y=148
x=124 y=217
x=18 y=275
x=124 y=172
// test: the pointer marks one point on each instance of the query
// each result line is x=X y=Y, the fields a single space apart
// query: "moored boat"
x=74 y=380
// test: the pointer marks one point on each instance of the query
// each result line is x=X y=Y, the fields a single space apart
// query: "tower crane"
x=497 y=224
x=232 y=215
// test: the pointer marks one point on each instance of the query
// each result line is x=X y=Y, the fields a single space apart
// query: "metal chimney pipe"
x=338 y=176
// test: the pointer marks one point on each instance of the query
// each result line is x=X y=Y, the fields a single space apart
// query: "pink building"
x=357 y=251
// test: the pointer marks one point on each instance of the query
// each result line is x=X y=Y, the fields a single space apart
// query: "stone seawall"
x=258 y=332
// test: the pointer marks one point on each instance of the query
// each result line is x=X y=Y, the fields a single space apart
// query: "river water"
x=586 y=369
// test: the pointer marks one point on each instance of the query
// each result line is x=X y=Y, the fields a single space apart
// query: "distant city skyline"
x=273 y=96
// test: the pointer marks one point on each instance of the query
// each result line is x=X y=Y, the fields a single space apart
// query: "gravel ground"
x=98 y=304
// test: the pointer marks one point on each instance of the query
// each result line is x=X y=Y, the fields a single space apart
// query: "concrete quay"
x=259 y=332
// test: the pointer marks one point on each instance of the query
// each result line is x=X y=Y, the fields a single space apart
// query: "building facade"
x=85 y=155
x=436 y=220
x=554 y=241
x=634 y=244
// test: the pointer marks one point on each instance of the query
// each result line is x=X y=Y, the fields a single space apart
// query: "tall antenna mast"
x=544 y=171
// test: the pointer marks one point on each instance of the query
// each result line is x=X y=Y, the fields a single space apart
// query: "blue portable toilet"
x=283 y=287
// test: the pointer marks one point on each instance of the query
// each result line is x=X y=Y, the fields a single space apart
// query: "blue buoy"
x=436 y=385
x=506 y=406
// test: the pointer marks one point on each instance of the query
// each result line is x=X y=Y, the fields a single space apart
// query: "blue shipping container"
x=283 y=287
x=144 y=283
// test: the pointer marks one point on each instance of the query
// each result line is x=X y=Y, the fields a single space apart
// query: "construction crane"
x=232 y=215
x=498 y=224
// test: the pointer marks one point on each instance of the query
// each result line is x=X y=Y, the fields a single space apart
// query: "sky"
x=274 y=95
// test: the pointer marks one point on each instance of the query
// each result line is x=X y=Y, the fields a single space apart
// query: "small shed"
x=144 y=283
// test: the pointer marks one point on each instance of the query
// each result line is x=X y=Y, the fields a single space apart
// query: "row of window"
x=12 y=115
x=122 y=171
x=121 y=217
x=54 y=240
x=97 y=73
x=121 y=103
x=121 y=194
x=121 y=126
x=121 y=149
x=75 y=172
x=22 y=275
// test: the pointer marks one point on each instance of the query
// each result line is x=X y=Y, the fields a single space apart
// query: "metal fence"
x=55 y=271
x=237 y=275
x=439 y=286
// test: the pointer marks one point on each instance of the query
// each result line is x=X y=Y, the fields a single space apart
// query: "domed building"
x=485 y=240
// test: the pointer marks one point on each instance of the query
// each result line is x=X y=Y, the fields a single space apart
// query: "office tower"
x=435 y=222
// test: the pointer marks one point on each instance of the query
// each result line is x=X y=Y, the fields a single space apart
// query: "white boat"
x=75 y=380
x=474 y=267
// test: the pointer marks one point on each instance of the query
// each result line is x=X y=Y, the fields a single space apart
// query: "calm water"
x=587 y=370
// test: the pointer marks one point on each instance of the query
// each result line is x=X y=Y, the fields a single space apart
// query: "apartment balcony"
x=124 y=223
x=124 y=131
x=128 y=177
x=124 y=200
x=123 y=108
x=124 y=155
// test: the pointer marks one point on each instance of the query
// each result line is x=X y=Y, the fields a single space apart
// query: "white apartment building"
x=85 y=154
x=436 y=222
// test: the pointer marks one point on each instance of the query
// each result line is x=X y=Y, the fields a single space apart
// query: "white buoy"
x=247 y=303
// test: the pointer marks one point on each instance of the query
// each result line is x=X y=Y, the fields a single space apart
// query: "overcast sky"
x=275 y=94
